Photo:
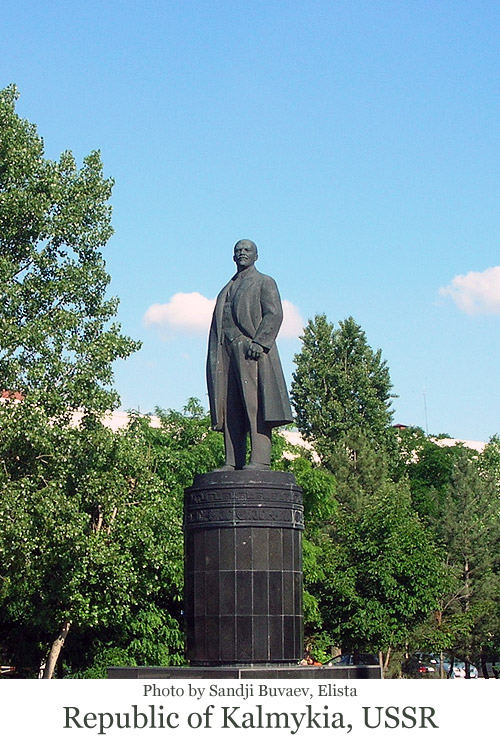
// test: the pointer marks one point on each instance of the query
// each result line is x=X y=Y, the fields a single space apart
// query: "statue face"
x=245 y=254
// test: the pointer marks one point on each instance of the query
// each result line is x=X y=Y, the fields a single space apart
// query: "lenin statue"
x=246 y=387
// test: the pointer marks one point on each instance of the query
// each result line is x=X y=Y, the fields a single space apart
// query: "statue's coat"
x=258 y=313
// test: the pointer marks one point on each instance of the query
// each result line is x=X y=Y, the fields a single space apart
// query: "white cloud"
x=293 y=324
x=191 y=313
x=475 y=292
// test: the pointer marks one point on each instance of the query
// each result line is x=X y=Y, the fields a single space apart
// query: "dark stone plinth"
x=243 y=568
x=339 y=672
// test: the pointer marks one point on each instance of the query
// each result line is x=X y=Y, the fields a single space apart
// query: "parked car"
x=427 y=663
x=458 y=670
x=359 y=658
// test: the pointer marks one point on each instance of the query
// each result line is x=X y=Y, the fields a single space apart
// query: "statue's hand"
x=254 y=351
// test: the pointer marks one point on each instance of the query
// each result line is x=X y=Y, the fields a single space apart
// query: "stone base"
x=339 y=672
x=243 y=569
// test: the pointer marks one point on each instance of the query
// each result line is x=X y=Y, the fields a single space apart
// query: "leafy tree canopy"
x=90 y=535
x=341 y=387
x=58 y=341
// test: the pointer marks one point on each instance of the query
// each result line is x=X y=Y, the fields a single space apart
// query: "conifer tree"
x=341 y=389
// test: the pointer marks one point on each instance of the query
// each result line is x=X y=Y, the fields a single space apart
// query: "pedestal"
x=243 y=569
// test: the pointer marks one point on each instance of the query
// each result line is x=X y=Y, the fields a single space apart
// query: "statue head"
x=245 y=254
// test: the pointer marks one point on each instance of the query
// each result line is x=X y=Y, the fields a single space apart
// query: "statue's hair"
x=245 y=240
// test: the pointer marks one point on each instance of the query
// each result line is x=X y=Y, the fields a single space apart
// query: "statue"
x=246 y=386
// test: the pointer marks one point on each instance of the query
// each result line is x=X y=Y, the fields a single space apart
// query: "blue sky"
x=357 y=143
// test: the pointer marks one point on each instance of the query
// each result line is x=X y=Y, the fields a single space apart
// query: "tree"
x=373 y=572
x=489 y=465
x=455 y=493
x=470 y=534
x=91 y=540
x=341 y=388
x=381 y=573
x=58 y=341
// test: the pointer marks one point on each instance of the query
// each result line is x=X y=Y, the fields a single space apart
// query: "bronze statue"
x=246 y=386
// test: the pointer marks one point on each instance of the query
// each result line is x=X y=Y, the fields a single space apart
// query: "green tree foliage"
x=489 y=462
x=341 y=387
x=320 y=509
x=361 y=468
x=429 y=468
x=373 y=569
x=58 y=339
x=91 y=547
x=454 y=491
x=469 y=532
x=90 y=537
x=381 y=573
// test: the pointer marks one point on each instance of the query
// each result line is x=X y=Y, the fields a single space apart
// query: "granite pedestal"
x=243 y=569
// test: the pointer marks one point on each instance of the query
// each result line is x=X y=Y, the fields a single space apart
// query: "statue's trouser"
x=242 y=409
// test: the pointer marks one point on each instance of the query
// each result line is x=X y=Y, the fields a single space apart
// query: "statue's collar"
x=250 y=271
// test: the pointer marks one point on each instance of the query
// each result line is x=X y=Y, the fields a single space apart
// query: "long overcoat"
x=258 y=313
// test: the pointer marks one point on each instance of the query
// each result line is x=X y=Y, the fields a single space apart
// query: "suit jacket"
x=258 y=313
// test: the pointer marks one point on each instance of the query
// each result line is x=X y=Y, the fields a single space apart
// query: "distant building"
x=449 y=442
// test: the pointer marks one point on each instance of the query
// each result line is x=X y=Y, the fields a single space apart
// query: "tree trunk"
x=452 y=664
x=381 y=662
x=55 y=650
x=466 y=607
x=387 y=658
x=484 y=667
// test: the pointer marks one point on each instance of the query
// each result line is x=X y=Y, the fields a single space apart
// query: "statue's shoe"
x=227 y=467
x=256 y=467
